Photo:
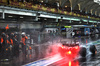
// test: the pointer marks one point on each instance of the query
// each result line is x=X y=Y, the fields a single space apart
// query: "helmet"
x=23 y=34
x=3 y=34
x=15 y=33
x=12 y=35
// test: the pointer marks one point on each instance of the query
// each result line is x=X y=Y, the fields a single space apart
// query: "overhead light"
x=42 y=1
x=10 y=16
x=85 y=20
x=97 y=1
x=21 y=17
x=49 y=16
x=65 y=6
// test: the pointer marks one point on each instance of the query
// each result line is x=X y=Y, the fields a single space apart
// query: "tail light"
x=69 y=52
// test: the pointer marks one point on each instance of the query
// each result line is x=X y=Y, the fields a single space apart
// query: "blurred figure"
x=3 y=39
x=23 y=41
x=0 y=44
x=3 y=42
x=15 y=45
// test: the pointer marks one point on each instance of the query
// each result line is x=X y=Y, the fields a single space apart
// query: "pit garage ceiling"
x=88 y=6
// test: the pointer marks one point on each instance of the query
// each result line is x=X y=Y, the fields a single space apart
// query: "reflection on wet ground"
x=17 y=61
x=89 y=60
x=36 y=54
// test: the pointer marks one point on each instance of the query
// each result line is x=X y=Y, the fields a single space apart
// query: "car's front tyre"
x=93 y=49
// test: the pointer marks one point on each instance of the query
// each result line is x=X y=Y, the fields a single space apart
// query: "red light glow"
x=69 y=52
x=69 y=63
x=62 y=46
x=76 y=47
x=86 y=41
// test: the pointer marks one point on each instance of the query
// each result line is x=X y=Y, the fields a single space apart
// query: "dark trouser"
x=16 y=50
x=0 y=48
x=24 y=49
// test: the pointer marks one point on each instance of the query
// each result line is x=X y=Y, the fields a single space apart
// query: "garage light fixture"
x=64 y=18
x=93 y=21
x=49 y=16
x=65 y=6
x=42 y=1
x=97 y=1
x=74 y=19
x=85 y=20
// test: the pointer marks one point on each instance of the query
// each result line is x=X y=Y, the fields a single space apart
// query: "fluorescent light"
x=85 y=20
x=42 y=1
x=93 y=21
x=49 y=16
x=75 y=19
x=96 y=1
x=66 y=18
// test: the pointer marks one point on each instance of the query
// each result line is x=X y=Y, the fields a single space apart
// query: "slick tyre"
x=83 y=51
x=93 y=49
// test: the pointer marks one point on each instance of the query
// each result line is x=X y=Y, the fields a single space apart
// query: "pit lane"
x=89 y=60
x=57 y=60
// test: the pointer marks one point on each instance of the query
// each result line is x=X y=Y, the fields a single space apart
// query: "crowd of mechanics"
x=10 y=45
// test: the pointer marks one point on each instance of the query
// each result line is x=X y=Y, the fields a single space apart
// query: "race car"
x=74 y=49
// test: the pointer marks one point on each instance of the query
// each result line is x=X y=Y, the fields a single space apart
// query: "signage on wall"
x=67 y=26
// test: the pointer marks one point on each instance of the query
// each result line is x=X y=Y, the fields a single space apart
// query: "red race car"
x=69 y=50
x=72 y=49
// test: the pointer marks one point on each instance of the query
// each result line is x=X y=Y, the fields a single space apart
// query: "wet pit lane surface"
x=89 y=60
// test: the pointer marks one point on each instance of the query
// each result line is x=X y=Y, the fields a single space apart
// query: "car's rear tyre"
x=93 y=49
x=83 y=51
